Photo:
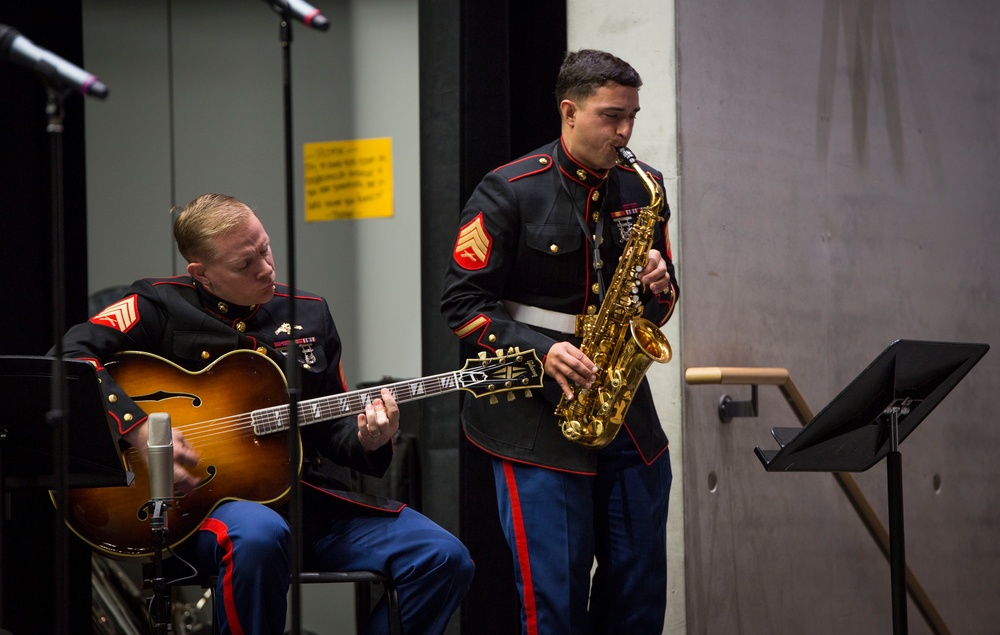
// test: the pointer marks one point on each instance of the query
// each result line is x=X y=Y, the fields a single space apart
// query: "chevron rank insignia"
x=472 y=249
x=121 y=315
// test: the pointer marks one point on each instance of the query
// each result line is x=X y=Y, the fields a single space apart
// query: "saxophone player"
x=537 y=244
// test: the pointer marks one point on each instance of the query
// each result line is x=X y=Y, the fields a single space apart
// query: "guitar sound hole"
x=211 y=470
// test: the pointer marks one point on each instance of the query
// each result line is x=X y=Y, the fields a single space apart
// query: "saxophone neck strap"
x=594 y=240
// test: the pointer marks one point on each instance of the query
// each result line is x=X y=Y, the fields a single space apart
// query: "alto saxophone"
x=620 y=342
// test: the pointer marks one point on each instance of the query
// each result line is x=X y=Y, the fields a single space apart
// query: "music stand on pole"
x=868 y=420
x=26 y=460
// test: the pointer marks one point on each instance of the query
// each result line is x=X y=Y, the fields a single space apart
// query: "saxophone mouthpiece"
x=627 y=157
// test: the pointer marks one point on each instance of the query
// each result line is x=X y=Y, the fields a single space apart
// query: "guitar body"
x=235 y=414
x=210 y=407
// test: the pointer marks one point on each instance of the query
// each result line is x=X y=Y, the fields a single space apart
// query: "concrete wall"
x=839 y=166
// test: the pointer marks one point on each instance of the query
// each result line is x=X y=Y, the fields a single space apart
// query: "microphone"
x=303 y=12
x=161 y=457
x=21 y=50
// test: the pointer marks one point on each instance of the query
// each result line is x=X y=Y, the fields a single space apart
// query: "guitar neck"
x=310 y=411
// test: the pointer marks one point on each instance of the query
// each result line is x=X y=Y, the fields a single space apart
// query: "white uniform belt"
x=543 y=318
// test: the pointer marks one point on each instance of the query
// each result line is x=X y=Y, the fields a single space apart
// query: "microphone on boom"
x=21 y=50
x=303 y=12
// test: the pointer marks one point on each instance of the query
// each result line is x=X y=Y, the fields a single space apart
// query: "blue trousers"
x=247 y=545
x=557 y=524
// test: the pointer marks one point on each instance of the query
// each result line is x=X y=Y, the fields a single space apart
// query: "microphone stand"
x=291 y=361
x=160 y=606
x=58 y=416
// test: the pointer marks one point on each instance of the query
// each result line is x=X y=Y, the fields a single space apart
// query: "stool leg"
x=362 y=605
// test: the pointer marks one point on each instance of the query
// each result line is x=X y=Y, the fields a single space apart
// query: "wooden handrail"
x=780 y=377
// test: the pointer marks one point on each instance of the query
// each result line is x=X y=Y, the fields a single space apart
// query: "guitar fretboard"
x=276 y=419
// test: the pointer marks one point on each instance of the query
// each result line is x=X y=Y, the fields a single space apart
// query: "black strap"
x=595 y=240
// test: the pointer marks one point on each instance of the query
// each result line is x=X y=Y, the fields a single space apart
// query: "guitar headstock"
x=505 y=372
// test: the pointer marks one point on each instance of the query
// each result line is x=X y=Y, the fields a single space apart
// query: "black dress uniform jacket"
x=176 y=319
x=522 y=240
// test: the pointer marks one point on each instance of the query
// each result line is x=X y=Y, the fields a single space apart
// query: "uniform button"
x=592 y=310
x=596 y=288
x=554 y=248
x=113 y=398
x=241 y=326
x=543 y=160
x=595 y=196
x=205 y=355
x=492 y=338
x=127 y=417
x=262 y=350
x=223 y=307
x=580 y=174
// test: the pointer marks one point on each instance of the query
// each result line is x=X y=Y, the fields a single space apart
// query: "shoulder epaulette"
x=283 y=290
x=184 y=281
x=525 y=166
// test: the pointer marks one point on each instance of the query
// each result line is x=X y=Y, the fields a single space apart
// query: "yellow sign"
x=348 y=179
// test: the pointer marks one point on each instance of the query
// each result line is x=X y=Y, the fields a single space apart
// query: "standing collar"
x=223 y=309
x=576 y=171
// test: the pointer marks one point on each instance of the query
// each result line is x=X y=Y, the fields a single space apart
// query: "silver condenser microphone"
x=161 y=457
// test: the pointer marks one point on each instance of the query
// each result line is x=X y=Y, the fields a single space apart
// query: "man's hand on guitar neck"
x=185 y=456
x=378 y=422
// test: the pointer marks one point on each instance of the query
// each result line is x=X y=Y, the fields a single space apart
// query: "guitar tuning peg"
x=482 y=355
x=493 y=400
x=527 y=393
x=511 y=396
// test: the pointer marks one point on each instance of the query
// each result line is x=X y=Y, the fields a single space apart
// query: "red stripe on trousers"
x=221 y=532
x=521 y=541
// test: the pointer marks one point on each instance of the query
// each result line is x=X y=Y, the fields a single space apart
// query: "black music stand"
x=868 y=420
x=26 y=435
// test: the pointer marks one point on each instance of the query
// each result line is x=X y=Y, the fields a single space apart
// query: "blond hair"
x=203 y=220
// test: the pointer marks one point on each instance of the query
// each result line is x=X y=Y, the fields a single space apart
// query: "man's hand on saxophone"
x=569 y=366
x=654 y=275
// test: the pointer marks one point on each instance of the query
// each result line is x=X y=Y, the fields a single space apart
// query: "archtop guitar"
x=235 y=413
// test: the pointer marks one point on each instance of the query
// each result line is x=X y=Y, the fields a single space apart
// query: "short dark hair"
x=584 y=71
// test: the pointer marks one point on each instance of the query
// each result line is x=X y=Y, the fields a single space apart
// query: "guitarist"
x=229 y=301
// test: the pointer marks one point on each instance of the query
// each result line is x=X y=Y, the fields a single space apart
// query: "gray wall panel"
x=839 y=190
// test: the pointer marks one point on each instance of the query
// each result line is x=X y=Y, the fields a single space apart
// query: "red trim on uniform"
x=181 y=281
x=333 y=493
x=637 y=447
x=221 y=532
x=298 y=297
x=521 y=542
x=122 y=429
x=479 y=323
x=93 y=361
x=340 y=373
x=537 y=157
x=522 y=462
